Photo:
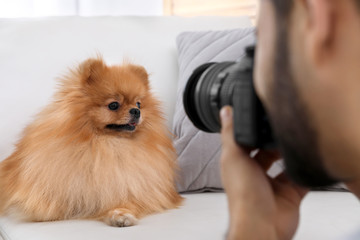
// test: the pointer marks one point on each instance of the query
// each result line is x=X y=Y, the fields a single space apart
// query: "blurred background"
x=46 y=8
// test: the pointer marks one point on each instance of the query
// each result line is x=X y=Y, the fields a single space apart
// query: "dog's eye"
x=113 y=106
x=138 y=104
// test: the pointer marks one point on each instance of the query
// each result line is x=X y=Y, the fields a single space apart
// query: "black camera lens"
x=201 y=100
x=214 y=85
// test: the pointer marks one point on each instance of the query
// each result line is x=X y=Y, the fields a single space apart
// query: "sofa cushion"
x=203 y=217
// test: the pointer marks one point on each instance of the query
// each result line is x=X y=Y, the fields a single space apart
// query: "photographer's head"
x=308 y=76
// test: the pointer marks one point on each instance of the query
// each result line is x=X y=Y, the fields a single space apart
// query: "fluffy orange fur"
x=69 y=164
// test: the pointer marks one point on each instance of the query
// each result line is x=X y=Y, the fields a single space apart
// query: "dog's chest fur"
x=91 y=177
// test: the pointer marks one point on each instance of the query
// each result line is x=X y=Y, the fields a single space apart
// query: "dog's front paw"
x=120 y=217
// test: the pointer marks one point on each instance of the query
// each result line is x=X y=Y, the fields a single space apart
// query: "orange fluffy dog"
x=100 y=150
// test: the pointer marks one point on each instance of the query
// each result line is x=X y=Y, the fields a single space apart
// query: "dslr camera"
x=214 y=85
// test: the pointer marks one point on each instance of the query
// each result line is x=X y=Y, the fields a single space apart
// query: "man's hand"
x=260 y=207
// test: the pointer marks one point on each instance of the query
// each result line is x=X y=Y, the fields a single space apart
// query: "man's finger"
x=226 y=120
x=227 y=128
x=227 y=133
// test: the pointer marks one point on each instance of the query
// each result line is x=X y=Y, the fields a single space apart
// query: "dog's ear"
x=140 y=72
x=91 y=70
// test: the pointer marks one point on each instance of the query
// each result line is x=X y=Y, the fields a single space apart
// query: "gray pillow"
x=199 y=152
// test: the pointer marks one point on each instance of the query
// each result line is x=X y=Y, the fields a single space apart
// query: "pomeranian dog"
x=100 y=150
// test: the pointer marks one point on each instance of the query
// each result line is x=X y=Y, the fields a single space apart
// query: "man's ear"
x=91 y=70
x=320 y=27
x=140 y=72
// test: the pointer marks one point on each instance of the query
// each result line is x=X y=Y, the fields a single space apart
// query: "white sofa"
x=34 y=52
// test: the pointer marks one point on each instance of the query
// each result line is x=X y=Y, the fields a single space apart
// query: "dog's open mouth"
x=122 y=127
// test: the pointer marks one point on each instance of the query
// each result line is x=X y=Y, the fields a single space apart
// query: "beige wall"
x=211 y=7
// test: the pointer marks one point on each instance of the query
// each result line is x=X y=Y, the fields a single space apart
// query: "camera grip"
x=244 y=101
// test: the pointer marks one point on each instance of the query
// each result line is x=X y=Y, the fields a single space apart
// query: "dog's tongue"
x=132 y=124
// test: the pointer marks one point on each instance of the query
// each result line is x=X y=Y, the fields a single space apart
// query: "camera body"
x=214 y=85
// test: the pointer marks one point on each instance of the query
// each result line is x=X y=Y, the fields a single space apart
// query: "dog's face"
x=117 y=97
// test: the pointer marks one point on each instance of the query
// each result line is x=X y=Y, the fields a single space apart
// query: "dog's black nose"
x=135 y=112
